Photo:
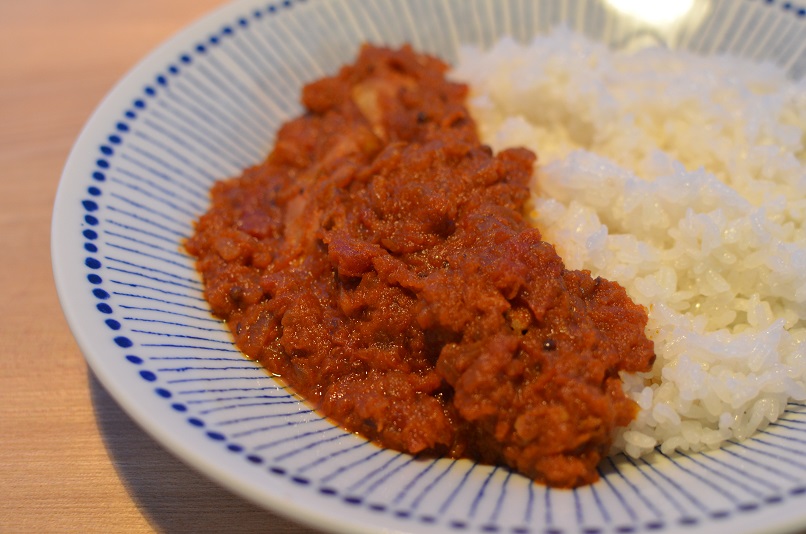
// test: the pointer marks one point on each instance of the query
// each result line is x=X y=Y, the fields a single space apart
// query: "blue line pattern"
x=212 y=112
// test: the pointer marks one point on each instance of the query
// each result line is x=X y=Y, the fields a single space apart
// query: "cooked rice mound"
x=684 y=179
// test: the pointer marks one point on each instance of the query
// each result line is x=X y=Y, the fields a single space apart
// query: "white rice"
x=684 y=179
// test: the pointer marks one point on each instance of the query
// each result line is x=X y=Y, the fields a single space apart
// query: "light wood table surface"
x=70 y=459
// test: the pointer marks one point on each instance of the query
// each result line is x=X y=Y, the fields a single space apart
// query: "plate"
x=205 y=105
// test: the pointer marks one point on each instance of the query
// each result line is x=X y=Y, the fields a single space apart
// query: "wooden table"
x=70 y=459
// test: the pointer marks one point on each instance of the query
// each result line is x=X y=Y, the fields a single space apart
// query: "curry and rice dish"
x=379 y=262
x=385 y=259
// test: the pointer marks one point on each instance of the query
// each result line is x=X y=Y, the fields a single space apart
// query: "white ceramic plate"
x=205 y=105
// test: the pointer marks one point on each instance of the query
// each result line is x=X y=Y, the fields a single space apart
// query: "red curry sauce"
x=378 y=262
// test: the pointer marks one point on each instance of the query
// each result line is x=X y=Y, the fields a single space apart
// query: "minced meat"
x=378 y=261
